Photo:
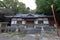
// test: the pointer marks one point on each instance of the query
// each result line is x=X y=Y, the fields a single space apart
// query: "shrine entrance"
x=29 y=23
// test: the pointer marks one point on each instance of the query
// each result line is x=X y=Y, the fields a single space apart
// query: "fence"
x=26 y=30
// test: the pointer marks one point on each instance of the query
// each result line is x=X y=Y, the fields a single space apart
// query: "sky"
x=29 y=3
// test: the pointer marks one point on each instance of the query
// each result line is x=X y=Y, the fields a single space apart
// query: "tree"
x=12 y=7
x=23 y=8
x=44 y=6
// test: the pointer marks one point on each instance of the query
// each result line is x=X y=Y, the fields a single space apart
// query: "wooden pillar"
x=0 y=28
x=5 y=27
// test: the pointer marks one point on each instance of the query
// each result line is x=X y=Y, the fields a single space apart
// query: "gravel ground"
x=43 y=36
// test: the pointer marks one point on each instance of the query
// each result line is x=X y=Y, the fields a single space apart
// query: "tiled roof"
x=3 y=22
x=29 y=15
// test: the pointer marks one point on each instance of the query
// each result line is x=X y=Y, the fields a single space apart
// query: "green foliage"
x=44 y=6
x=12 y=7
